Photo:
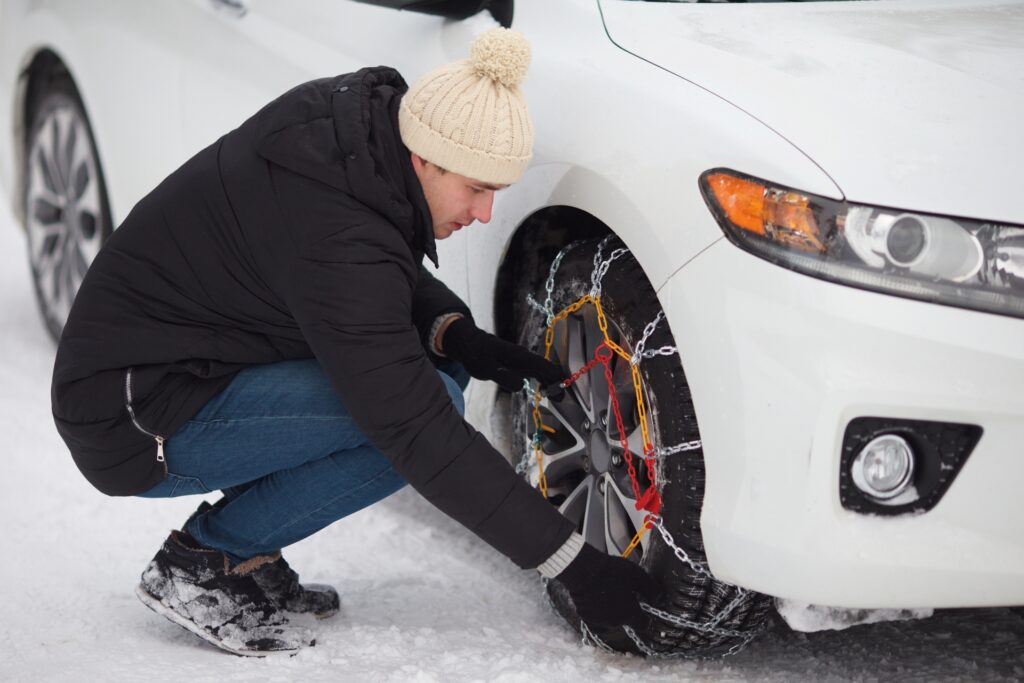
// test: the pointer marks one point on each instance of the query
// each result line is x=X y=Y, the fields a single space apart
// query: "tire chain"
x=591 y=638
x=711 y=627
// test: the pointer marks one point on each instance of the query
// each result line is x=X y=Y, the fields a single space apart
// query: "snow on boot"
x=196 y=588
x=281 y=584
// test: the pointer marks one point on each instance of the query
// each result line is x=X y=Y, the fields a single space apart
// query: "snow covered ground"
x=422 y=600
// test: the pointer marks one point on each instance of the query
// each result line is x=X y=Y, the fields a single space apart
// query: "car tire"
x=67 y=216
x=727 y=616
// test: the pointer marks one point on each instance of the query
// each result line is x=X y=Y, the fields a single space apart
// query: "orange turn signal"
x=741 y=200
x=784 y=216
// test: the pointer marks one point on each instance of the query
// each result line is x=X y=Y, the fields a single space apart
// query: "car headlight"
x=954 y=261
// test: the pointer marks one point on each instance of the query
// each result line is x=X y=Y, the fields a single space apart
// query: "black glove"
x=488 y=357
x=607 y=589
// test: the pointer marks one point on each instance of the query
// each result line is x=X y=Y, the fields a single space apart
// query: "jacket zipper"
x=131 y=413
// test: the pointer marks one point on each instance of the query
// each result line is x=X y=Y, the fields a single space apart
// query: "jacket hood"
x=343 y=131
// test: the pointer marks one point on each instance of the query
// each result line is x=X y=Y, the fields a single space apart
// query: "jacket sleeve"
x=432 y=298
x=354 y=302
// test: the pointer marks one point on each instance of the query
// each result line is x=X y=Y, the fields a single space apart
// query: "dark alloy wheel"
x=586 y=473
x=67 y=217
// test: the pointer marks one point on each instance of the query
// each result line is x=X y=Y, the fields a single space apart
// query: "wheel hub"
x=600 y=451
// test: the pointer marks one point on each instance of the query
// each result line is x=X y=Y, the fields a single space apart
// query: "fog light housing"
x=884 y=468
x=896 y=466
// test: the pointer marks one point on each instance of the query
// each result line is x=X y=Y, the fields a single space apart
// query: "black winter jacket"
x=299 y=234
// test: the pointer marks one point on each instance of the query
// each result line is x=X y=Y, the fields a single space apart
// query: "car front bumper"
x=779 y=363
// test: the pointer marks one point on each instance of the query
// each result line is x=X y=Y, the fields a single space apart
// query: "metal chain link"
x=594 y=286
x=527 y=458
x=712 y=626
x=549 y=285
x=679 y=621
x=742 y=596
x=663 y=351
x=649 y=652
x=643 y=647
x=743 y=643
x=536 y=305
x=598 y=276
x=638 y=350
x=678 y=448
x=590 y=638
x=698 y=567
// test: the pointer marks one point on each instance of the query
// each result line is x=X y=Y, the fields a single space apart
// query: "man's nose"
x=482 y=207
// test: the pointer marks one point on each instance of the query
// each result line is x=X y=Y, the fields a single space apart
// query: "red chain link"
x=582 y=371
x=650 y=499
x=626 y=454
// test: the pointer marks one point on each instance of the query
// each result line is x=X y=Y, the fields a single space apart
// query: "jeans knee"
x=455 y=391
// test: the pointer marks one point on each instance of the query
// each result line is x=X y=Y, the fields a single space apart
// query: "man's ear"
x=418 y=162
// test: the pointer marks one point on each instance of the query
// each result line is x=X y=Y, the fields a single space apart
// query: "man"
x=262 y=324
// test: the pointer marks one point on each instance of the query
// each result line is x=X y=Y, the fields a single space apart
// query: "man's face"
x=455 y=201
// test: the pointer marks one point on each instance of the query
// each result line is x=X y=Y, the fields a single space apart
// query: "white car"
x=813 y=209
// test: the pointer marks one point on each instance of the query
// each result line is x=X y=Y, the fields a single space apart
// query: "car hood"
x=913 y=105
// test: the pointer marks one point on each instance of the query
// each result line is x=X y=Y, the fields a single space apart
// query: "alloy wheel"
x=587 y=473
x=64 y=210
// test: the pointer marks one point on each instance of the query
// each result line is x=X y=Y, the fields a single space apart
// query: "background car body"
x=911 y=105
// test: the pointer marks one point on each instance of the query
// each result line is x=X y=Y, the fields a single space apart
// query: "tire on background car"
x=67 y=216
x=579 y=467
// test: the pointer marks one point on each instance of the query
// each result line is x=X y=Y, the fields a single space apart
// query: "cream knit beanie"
x=469 y=117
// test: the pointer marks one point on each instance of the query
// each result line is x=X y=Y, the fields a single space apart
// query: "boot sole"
x=163 y=610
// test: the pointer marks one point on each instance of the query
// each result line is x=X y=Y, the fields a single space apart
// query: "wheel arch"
x=529 y=253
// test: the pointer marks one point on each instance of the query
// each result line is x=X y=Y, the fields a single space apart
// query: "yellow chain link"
x=538 y=452
x=636 y=539
x=641 y=407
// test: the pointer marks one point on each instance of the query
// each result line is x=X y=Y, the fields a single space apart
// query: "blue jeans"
x=286 y=454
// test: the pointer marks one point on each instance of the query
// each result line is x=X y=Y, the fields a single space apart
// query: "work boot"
x=196 y=588
x=281 y=584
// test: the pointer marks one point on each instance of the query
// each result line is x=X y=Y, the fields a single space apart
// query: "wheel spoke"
x=593 y=522
x=67 y=154
x=46 y=268
x=52 y=160
x=51 y=270
x=63 y=144
x=40 y=187
x=80 y=157
x=564 y=423
x=49 y=176
x=45 y=213
x=45 y=241
x=598 y=385
x=576 y=347
x=566 y=411
x=635 y=439
x=622 y=506
x=574 y=508
x=88 y=197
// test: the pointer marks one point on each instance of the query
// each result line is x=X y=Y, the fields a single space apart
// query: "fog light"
x=885 y=467
x=925 y=455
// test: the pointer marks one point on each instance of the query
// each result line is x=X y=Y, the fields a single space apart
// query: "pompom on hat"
x=469 y=117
